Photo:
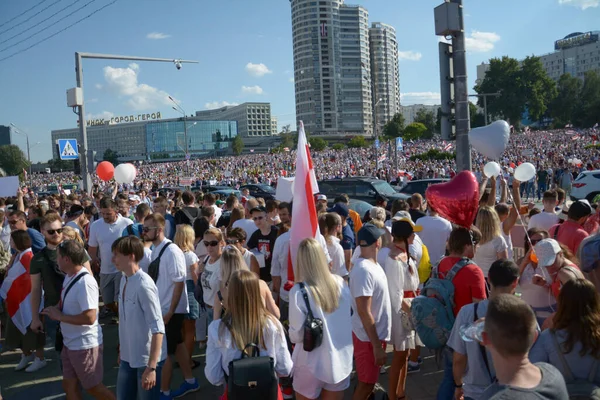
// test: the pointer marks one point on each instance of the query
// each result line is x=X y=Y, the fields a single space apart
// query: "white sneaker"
x=36 y=365
x=25 y=360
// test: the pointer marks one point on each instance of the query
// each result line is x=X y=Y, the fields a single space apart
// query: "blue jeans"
x=446 y=389
x=50 y=327
x=129 y=383
x=542 y=187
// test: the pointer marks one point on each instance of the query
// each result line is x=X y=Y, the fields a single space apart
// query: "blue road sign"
x=399 y=144
x=67 y=149
x=376 y=143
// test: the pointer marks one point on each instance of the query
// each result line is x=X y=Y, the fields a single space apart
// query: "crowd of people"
x=194 y=270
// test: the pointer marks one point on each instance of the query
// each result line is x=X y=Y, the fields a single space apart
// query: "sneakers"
x=36 y=365
x=25 y=360
x=164 y=396
x=382 y=370
x=413 y=367
x=287 y=392
x=186 y=388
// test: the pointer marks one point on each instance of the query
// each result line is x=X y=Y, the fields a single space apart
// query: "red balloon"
x=457 y=200
x=512 y=164
x=105 y=171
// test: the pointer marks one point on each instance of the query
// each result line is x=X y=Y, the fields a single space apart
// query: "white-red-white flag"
x=16 y=289
x=305 y=223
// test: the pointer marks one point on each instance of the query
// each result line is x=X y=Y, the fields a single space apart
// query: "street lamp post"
x=376 y=132
x=85 y=173
x=485 y=96
x=180 y=110
x=18 y=130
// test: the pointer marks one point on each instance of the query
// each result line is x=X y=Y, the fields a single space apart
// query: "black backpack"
x=252 y=377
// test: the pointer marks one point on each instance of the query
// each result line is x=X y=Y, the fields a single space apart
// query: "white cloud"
x=257 y=70
x=252 y=89
x=98 y=86
x=291 y=79
x=105 y=115
x=140 y=96
x=430 y=98
x=157 y=36
x=218 y=104
x=409 y=55
x=481 y=42
x=583 y=4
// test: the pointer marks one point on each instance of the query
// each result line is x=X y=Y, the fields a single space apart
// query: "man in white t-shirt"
x=372 y=318
x=548 y=217
x=77 y=313
x=210 y=201
x=247 y=224
x=103 y=234
x=168 y=269
x=435 y=234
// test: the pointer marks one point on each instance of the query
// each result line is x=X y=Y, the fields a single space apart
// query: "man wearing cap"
x=571 y=232
x=263 y=239
x=371 y=320
x=321 y=198
x=347 y=242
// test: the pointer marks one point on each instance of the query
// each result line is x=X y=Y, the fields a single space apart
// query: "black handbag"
x=154 y=265
x=313 y=327
x=252 y=377
x=58 y=342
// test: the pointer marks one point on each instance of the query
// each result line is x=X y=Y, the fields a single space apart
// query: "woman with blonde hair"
x=209 y=271
x=246 y=320
x=325 y=371
x=184 y=239
x=236 y=214
x=232 y=261
x=70 y=233
x=492 y=246
x=330 y=225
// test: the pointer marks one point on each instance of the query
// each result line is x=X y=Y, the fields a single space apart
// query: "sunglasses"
x=149 y=228
x=211 y=243
x=258 y=218
x=232 y=241
x=53 y=231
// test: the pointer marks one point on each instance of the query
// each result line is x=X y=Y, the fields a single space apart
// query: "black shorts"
x=174 y=332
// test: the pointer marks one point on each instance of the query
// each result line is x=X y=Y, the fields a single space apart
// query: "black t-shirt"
x=224 y=220
x=415 y=214
x=264 y=244
x=182 y=218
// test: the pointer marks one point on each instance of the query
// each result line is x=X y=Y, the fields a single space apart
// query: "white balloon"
x=491 y=140
x=125 y=173
x=525 y=172
x=491 y=169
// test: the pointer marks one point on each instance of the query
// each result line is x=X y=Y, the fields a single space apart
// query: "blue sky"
x=244 y=48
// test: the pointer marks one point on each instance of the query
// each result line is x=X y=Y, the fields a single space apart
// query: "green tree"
x=12 y=160
x=588 y=111
x=287 y=140
x=413 y=131
x=218 y=136
x=394 y=127
x=111 y=156
x=563 y=108
x=427 y=118
x=237 y=145
x=57 y=165
x=477 y=118
x=539 y=89
x=357 y=142
x=286 y=129
x=338 y=146
x=317 y=143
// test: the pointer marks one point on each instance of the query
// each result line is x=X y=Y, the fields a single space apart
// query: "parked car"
x=361 y=207
x=225 y=193
x=420 y=186
x=586 y=185
x=360 y=188
x=211 y=188
x=260 y=190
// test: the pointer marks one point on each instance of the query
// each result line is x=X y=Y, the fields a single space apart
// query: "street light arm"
x=133 y=58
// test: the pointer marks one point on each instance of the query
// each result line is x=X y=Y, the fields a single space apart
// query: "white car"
x=586 y=186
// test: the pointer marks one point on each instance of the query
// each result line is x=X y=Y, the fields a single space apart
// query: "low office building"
x=253 y=119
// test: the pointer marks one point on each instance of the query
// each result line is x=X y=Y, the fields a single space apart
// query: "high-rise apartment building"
x=332 y=67
x=5 y=135
x=385 y=76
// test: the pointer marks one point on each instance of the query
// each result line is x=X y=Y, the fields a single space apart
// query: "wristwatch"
x=150 y=368
x=458 y=386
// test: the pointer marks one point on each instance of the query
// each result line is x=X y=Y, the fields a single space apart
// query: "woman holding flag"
x=16 y=290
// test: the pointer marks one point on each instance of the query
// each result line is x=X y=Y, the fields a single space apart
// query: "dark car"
x=361 y=207
x=225 y=193
x=420 y=186
x=260 y=190
x=365 y=189
x=211 y=188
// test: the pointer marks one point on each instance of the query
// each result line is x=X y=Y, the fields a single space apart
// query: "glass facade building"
x=202 y=136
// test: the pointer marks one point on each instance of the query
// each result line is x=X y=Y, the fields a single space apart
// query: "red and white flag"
x=16 y=289
x=304 y=212
x=448 y=147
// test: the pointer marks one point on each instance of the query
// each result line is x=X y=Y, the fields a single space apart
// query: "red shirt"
x=570 y=233
x=469 y=282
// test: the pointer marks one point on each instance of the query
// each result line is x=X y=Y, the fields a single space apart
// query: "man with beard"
x=45 y=274
x=103 y=233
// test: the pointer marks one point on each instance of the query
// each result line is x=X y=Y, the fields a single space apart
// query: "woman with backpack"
x=232 y=261
x=323 y=371
x=403 y=281
x=184 y=238
x=573 y=344
x=247 y=322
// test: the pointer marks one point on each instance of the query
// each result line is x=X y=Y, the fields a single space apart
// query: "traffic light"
x=447 y=125
x=76 y=167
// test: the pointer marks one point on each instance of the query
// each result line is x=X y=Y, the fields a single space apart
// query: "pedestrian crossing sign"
x=67 y=149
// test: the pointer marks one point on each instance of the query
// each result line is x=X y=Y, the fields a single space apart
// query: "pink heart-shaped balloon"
x=457 y=200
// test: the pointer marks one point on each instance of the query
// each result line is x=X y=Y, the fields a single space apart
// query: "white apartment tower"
x=331 y=66
x=385 y=76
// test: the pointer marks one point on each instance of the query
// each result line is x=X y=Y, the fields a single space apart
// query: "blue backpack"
x=432 y=312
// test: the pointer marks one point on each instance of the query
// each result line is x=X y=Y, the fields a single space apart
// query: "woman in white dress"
x=402 y=275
